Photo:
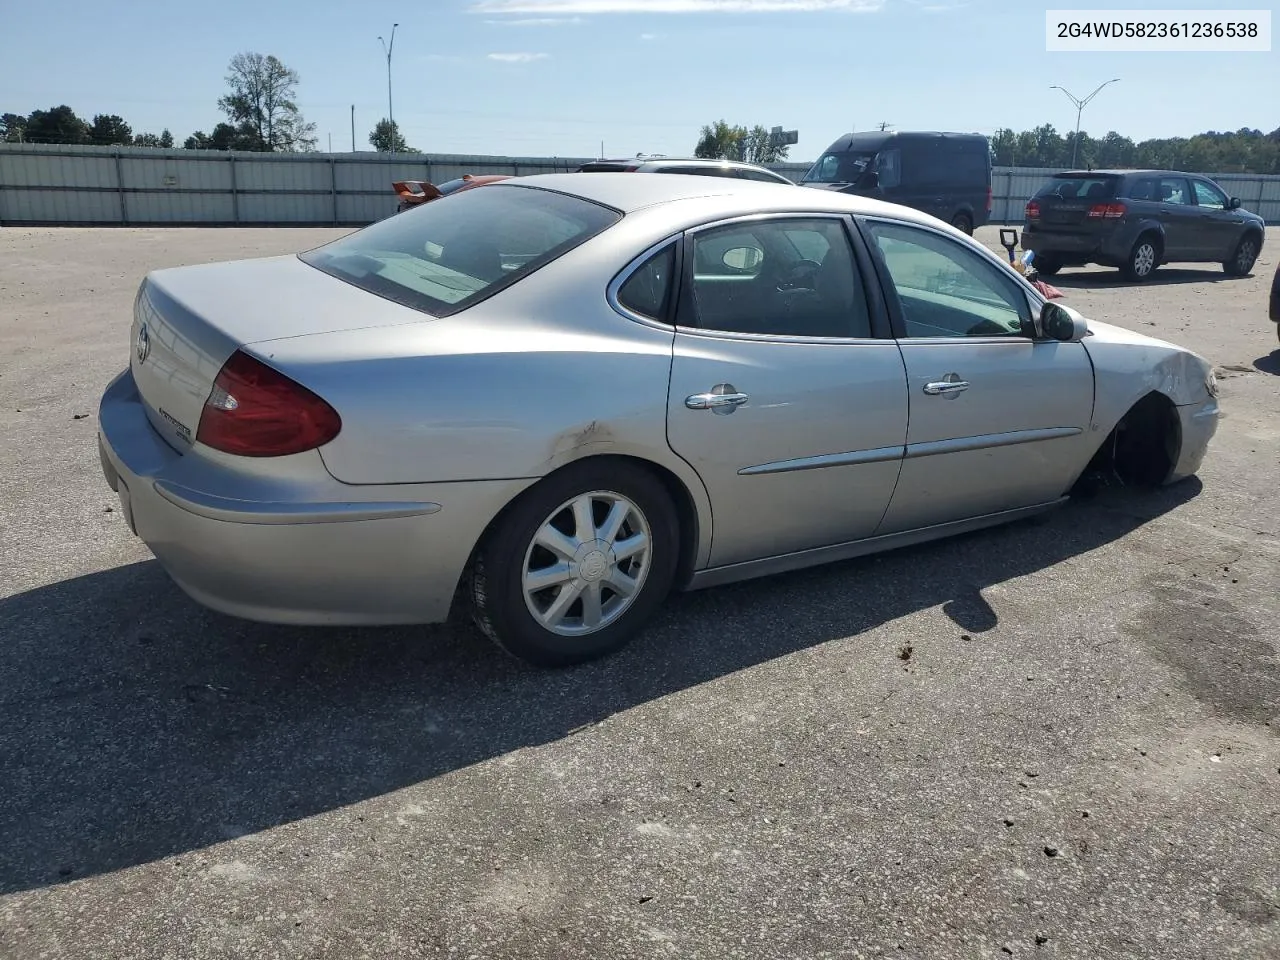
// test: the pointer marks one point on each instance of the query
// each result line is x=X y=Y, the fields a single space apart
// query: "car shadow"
x=1114 y=279
x=136 y=725
x=1269 y=364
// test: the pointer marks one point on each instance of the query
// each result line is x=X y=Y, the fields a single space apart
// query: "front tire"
x=1143 y=259
x=1243 y=258
x=577 y=567
x=963 y=222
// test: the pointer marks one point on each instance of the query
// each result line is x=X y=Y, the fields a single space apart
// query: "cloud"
x=537 y=21
x=560 y=7
x=648 y=36
x=518 y=57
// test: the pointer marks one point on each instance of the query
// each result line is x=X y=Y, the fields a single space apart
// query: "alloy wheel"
x=587 y=563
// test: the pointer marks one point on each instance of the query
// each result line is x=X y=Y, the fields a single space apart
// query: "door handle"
x=712 y=401
x=945 y=387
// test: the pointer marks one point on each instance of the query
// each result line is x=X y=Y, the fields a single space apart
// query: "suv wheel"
x=1046 y=266
x=963 y=222
x=1143 y=258
x=1244 y=257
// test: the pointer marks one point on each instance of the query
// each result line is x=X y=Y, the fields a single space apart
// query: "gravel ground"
x=1055 y=739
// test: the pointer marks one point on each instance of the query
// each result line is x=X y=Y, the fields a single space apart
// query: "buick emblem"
x=142 y=343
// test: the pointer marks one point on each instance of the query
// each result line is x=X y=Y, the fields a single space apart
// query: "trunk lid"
x=187 y=321
x=1065 y=201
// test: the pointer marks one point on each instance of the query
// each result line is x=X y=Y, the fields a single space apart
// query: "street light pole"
x=1080 y=105
x=391 y=119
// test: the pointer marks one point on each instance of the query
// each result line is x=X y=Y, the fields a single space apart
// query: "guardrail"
x=142 y=186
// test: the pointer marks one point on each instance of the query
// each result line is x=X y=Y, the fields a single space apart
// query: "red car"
x=414 y=192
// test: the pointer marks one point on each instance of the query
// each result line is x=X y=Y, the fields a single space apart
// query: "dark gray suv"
x=1138 y=219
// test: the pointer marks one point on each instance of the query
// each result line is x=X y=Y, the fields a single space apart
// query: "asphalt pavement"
x=1053 y=739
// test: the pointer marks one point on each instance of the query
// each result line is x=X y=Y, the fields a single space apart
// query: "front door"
x=1218 y=227
x=791 y=410
x=998 y=420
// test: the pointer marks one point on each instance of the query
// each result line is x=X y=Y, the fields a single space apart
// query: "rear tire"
x=597 y=542
x=963 y=222
x=1143 y=259
x=1243 y=257
x=1047 y=266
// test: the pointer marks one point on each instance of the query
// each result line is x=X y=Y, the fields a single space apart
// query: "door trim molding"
x=852 y=458
x=933 y=448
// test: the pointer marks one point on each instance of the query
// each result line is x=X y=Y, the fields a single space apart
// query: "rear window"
x=446 y=255
x=1079 y=188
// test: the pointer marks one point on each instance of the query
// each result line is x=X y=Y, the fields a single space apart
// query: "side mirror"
x=1233 y=203
x=1057 y=321
x=869 y=180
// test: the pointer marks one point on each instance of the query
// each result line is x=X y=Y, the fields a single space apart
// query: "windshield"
x=455 y=251
x=839 y=167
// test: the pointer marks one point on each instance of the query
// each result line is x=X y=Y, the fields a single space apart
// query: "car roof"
x=628 y=193
x=1113 y=172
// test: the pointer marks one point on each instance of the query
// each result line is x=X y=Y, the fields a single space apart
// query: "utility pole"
x=1080 y=105
x=353 y=128
x=391 y=119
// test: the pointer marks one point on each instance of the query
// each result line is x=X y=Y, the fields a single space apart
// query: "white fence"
x=142 y=186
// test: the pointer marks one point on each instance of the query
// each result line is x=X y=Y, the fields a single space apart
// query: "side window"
x=1207 y=195
x=1144 y=189
x=1173 y=190
x=792 y=277
x=889 y=168
x=648 y=289
x=945 y=289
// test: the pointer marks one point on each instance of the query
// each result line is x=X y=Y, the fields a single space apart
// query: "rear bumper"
x=1199 y=423
x=1108 y=248
x=311 y=551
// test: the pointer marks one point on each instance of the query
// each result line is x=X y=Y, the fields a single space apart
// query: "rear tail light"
x=1033 y=210
x=256 y=411
x=988 y=199
x=1109 y=211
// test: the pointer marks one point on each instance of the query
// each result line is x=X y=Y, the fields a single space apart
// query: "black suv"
x=692 y=165
x=1138 y=219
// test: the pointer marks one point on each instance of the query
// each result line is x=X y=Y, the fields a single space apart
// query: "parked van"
x=947 y=175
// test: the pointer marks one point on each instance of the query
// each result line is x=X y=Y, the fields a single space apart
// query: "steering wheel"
x=800 y=275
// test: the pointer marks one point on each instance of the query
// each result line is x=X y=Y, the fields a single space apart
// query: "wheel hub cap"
x=593 y=566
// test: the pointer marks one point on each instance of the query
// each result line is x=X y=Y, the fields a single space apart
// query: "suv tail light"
x=255 y=411
x=1111 y=211
x=1033 y=210
x=988 y=198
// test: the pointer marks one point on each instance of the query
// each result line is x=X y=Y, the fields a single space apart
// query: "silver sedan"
x=552 y=400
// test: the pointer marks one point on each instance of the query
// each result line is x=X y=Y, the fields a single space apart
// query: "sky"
x=566 y=77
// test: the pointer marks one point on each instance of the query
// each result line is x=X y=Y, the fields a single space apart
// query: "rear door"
x=786 y=398
x=998 y=420
x=1176 y=211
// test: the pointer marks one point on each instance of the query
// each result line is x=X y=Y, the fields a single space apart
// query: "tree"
x=386 y=138
x=165 y=139
x=56 y=125
x=720 y=141
x=261 y=105
x=12 y=128
x=223 y=137
x=109 y=129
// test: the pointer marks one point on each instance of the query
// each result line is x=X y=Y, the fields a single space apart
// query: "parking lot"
x=1051 y=739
